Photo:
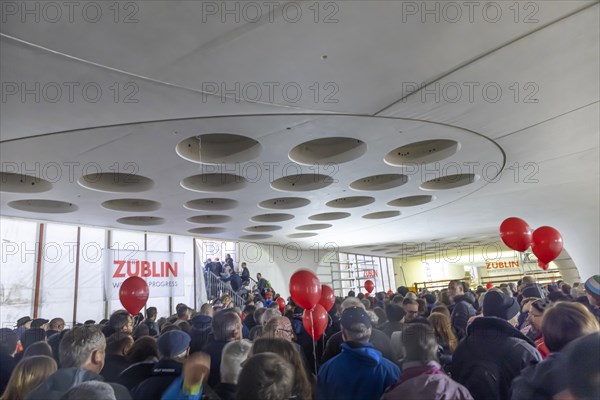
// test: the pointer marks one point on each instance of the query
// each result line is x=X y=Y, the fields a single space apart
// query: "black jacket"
x=214 y=349
x=163 y=374
x=64 y=379
x=461 y=311
x=114 y=364
x=493 y=340
x=136 y=373
x=541 y=381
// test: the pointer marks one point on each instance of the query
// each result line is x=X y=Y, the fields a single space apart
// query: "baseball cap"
x=23 y=320
x=355 y=315
x=38 y=322
x=173 y=343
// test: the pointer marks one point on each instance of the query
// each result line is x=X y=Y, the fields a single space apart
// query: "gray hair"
x=77 y=345
x=268 y=315
x=90 y=390
x=357 y=333
x=234 y=353
x=351 y=302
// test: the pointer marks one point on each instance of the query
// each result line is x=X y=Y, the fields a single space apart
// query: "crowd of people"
x=516 y=341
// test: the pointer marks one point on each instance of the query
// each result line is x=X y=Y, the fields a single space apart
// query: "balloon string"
x=312 y=326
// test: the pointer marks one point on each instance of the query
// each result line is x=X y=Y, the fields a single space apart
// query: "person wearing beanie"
x=494 y=351
x=592 y=291
x=173 y=347
x=359 y=371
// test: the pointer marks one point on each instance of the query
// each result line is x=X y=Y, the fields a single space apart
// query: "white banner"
x=162 y=270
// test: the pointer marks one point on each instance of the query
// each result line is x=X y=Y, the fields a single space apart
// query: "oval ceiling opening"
x=349 y=202
x=211 y=204
x=43 y=206
x=263 y=228
x=131 y=205
x=382 y=215
x=379 y=182
x=141 y=220
x=114 y=182
x=302 y=235
x=284 y=203
x=334 y=150
x=207 y=230
x=214 y=182
x=424 y=152
x=331 y=216
x=272 y=217
x=411 y=201
x=218 y=148
x=313 y=227
x=19 y=183
x=255 y=237
x=302 y=182
x=449 y=182
x=209 y=219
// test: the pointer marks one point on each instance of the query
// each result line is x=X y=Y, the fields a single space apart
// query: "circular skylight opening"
x=275 y=217
x=411 y=201
x=302 y=235
x=141 y=220
x=333 y=150
x=302 y=182
x=263 y=228
x=217 y=148
x=211 y=204
x=313 y=227
x=331 y=216
x=207 y=230
x=349 y=202
x=284 y=203
x=18 y=183
x=255 y=237
x=43 y=206
x=424 y=152
x=449 y=182
x=214 y=182
x=379 y=182
x=131 y=205
x=209 y=219
x=382 y=215
x=114 y=182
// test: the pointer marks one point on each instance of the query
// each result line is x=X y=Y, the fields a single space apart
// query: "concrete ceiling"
x=504 y=96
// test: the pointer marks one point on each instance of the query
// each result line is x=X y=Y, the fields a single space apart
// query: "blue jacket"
x=358 y=372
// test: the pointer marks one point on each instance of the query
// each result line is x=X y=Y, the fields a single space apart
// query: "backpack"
x=483 y=379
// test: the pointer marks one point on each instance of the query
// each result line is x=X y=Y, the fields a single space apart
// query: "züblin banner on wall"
x=163 y=271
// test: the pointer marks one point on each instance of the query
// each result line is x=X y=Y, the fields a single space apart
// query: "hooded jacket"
x=64 y=379
x=426 y=382
x=541 y=381
x=493 y=340
x=359 y=372
x=461 y=311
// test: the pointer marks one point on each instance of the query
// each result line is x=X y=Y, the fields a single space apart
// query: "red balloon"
x=327 y=297
x=134 y=294
x=390 y=292
x=305 y=289
x=367 y=295
x=281 y=303
x=547 y=244
x=318 y=324
x=515 y=233
x=489 y=285
x=369 y=286
x=542 y=265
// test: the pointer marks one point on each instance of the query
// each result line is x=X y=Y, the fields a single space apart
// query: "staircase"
x=216 y=288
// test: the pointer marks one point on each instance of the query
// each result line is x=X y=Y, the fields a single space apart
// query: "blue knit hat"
x=592 y=285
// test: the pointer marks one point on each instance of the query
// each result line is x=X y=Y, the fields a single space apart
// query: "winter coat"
x=64 y=379
x=541 y=381
x=426 y=382
x=495 y=343
x=379 y=340
x=358 y=372
x=164 y=373
x=461 y=311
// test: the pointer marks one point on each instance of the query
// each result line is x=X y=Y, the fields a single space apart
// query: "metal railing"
x=216 y=288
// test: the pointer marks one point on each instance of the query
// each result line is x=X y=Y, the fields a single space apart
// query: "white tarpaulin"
x=162 y=270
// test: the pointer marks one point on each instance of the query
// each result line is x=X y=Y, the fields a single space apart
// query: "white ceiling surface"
x=170 y=53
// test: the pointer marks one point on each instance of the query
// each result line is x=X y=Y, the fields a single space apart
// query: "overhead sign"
x=162 y=271
x=502 y=264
